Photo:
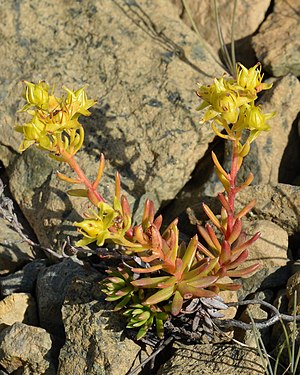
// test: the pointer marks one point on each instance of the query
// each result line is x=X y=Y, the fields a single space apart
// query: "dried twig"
x=230 y=323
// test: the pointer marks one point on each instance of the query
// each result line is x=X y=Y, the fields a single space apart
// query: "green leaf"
x=189 y=255
x=78 y=193
x=161 y=295
x=177 y=303
x=149 y=282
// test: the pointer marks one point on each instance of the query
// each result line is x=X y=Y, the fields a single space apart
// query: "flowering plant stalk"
x=162 y=274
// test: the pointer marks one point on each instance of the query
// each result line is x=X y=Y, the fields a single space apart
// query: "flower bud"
x=37 y=94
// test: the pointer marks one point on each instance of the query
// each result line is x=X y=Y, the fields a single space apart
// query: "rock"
x=27 y=349
x=291 y=338
x=228 y=296
x=13 y=252
x=218 y=359
x=143 y=73
x=18 y=307
x=258 y=315
x=270 y=250
x=277 y=43
x=95 y=341
x=281 y=303
x=248 y=17
x=23 y=280
x=52 y=283
x=278 y=203
x=289 y=171
x=293 y=286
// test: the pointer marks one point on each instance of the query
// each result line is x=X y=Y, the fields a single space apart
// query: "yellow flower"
x=227 y=100
x=251 y=79
x=36 y=95
x=253 y=118
x=33 y=132
x=223 y=99
x=110 y=223
x=96 y=227
x=54 y=124
x=78 y=102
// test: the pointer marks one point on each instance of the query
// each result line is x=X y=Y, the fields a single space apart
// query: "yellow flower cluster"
x=54 y=122
x=108 y=224
x=231 y=101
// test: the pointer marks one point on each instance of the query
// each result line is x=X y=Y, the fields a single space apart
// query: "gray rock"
x=14 y=253
x=27 y=349
x=142 y=65
x=278 y=203
x=95 y=342
x=51 y=287
x=277 y=43
x=272 y=277
x=23 y=280
x=270 y=251
x=217 y=359
x=293 y=338
x=292 y=287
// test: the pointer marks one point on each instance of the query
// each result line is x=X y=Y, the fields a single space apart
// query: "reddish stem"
x=93 y=194
x=232 y=189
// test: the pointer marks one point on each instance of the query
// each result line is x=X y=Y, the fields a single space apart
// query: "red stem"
x=93 y=194
x=232 y=189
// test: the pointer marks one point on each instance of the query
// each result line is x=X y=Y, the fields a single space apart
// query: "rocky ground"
x=142 y=61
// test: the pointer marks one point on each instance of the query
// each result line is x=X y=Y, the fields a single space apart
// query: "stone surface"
x=289 y=172
x=95 y=342
x=18 y=307
x=249 y=15
x=293 y=334
x=215 y=359
x=270 y=250
x=51 y=287
x=143 y=72
x=13 y=253
x=279 y=203
x=23 y=280
x=293 y=286
x=277 y=43
x=27 y=349
x=228 y=296
x=258 y=315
